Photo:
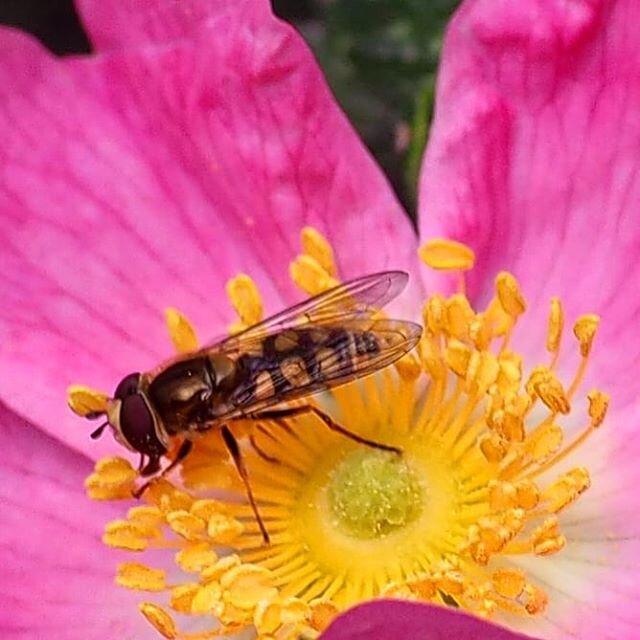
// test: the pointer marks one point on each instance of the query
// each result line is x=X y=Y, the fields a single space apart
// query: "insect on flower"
x=323 y=342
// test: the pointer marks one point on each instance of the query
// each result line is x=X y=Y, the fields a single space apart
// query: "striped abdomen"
x=301 y=359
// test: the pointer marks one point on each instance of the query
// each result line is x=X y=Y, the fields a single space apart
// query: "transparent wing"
x=354 y=349
x=360 y=297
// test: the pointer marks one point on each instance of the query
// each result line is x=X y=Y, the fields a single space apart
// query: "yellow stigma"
x=373 y=493
x=478 y=493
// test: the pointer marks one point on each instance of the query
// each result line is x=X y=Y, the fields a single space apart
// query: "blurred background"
x=380 y=58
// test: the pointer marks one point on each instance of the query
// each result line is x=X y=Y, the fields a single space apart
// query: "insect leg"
x=183 y=452
x=279 y=414
x=154 y=466
x=234 y=450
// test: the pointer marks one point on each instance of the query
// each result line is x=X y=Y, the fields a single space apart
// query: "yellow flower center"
x=445 y=521
x=372 y=493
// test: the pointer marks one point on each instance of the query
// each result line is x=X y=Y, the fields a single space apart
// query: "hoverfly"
x=323 y=342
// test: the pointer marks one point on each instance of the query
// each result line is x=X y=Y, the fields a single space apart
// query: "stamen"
x=544 y=385
x=310 y=276
x=585 y=330
x=554 y=331
x=112 y=479
x=315 y=245
x=134 y=575
x=181 y=331
x=122 y=534
x=86 y=402
x=509 y=583
x=509 y=295
x=598 y=406
x=447 y=255
x=246 y=300
x=159 y=619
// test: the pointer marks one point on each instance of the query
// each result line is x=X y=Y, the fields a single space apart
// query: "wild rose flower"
x=196 y=144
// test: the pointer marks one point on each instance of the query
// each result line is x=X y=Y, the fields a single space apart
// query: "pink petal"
x=144 y=179
x=57 y=576
x=116 y=24
x=533 y=162
x=393 y=619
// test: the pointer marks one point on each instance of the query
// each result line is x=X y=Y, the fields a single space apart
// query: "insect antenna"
x=98 y=432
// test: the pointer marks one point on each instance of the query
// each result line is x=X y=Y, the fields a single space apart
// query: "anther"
x=408 y=367
x=245 y=585
x=86 y=402
x=555 y=326
x=544 y=442
x=447 y=255
x=196 y=557
x=544 y=384
x=566 y=489
x=219 y=568
x=323 y=612
x=509 y=583
x=207 y=599
x=585 y=330
x=182 y=597
x=114 y=470
x=245 y=299
x=434 y=315
x=482 y=371
x=502 y=495
x=536 y=600
x=181 y=331
x=267 y=617
x=294 y=610
x=146 y=515
x=310 y=276
x=224 y=529
x=431 y=359
x=314 y=244
x=493 y=446
x=547 y=539
x=186 y=525
x=459 y=316
x=159 y=619
x=510 y=371
x=458 y=356
x=527 y=495
x=112 y=480
x=481 y=331
x=598 y=406
x=134 y=575
x=509 y=295
x=122 y=534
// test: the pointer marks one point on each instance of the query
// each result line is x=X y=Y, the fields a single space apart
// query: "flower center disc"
x=373 y=493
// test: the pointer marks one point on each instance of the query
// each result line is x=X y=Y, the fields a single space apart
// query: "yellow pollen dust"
x=477 y=487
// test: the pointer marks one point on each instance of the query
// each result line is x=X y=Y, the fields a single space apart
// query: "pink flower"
x=195 y=144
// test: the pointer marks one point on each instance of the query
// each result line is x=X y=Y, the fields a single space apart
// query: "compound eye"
x=137 y=426
x=128 y=386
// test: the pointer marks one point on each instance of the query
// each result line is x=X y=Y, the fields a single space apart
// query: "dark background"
x=379 y=56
